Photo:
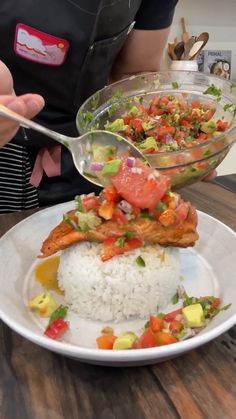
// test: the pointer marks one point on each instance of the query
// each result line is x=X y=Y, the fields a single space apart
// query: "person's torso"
x=63 y=50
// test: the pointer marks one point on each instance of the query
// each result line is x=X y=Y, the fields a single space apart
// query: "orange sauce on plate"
x=46 y=274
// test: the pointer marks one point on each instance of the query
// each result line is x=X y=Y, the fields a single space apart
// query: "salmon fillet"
x=147 y=230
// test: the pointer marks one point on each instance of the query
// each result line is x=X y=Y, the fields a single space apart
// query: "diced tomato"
x=146 y=340
x=105 y=341
x=137 y=124
x=119 y=217
x=192 y=215
x=175 y=326
x=106 y=209
x=222 y=125
x=56 y=329
x=156 y=323
x=167 y=217
x=208 y=114
x=110 y=194
x=216 y=302
x=137 y=187
x=165 y=130
x=112 y=248
x=127 y=119
x=196 y=104
x=181 y=212
x=202 y=136
x=169 y=317
x=90 y=203
x=163 y=338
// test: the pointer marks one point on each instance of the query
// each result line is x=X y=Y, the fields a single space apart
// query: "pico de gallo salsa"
x=166 y=328
x=168 y=123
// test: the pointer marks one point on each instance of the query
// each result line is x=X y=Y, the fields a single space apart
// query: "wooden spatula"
x=185 y=35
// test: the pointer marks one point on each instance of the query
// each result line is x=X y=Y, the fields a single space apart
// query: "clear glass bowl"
x=184 y=166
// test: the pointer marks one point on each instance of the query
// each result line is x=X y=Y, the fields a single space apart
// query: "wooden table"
x=36 y=383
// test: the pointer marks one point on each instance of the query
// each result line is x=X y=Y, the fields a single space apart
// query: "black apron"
x=96 y=31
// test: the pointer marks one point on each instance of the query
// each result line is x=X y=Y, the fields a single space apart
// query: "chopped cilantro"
x=175 y=85
x=79 y=204
x=231 y=108
x=59 y=313
x=214 y=91
x=175 y=298
x=129 y=234
x=140 y=262
x=121 y=241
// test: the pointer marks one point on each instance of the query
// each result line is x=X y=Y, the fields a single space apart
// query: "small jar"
x=184 y=65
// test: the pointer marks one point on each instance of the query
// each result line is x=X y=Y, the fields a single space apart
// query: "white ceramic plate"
x=208 y=269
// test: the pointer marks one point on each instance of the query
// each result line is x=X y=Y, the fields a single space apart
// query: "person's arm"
x=27 y=105
x=142 y=52
x=145 y=45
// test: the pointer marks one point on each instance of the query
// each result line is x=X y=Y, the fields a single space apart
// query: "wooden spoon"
x=200 y=43
x=179 y=49
x=188 y=47
x=185 y=35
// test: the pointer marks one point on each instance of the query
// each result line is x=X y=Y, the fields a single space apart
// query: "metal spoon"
x=81 y=148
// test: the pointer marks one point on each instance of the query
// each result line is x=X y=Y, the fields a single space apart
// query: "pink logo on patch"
x=40 y=47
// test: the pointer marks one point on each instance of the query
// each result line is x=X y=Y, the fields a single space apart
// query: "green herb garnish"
x=232 y=87
x=140 y=262
x=59 y=313
x=79 y=203
x=231 y=108
x=175 y=298
x=121 y=241
x=175 y=85
x=214 y=91
x=129 y=234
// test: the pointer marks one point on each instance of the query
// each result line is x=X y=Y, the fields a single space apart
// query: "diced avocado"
x=100 y=153
x=216 y=133
x=115 y=126
x=133 y=111
x=194 y=316
x=125 y=341
x=111 y=167
x=148 y=125
x=150 y=142
x=208 y=127
x=43 y=304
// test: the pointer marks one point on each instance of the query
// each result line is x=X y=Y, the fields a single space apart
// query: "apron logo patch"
x=40 y=47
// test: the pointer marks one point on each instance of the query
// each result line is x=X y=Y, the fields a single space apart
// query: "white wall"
x=218 y=18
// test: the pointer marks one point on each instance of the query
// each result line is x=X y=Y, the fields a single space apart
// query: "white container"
x=184 y=65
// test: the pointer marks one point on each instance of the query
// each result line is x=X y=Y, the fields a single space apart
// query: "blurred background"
x=218 y=18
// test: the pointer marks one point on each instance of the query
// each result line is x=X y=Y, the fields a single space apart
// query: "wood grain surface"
x=36 y=383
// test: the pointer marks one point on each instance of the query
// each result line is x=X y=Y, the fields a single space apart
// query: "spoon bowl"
x=199 y=44
x=82 y=147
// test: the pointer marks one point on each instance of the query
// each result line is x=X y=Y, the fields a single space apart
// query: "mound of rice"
x=118 y=289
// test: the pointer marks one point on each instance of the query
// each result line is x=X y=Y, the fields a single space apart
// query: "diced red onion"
x=137 y=170
x=96 y=166
x=130 y=161
x=156 y=173
x=125 y=206
x=189 y=334
x=151 y=176
x=168 y=139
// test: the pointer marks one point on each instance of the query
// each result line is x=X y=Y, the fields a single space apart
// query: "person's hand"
x=212 y=175
x=27 y=105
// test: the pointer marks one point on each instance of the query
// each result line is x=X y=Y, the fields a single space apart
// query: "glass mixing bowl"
x=185 y=166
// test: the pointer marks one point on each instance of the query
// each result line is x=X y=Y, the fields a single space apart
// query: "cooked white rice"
x=118 y=289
